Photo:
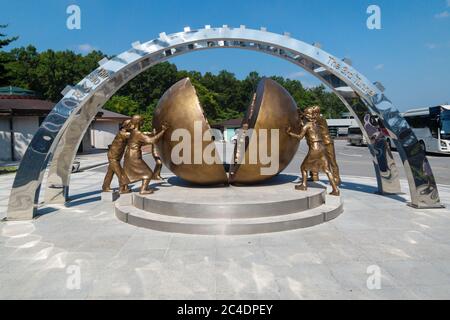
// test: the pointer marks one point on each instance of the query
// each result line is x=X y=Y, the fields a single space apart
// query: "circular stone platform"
x=179 y=207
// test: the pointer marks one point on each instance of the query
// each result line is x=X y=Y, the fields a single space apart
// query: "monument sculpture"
x=134 y=166
x=55 y=144
x=316 y=160
x=157 y=159
x=115 y=155
x=328 y=144
x=272 y=109
x=180 y=108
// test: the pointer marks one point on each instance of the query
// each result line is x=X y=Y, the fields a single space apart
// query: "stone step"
x=231 y=202
x=126 y=212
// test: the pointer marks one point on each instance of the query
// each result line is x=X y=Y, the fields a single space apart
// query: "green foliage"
x=9 y=169
x=4 y=41
x=122 y=104
x=4 y=57
x=221 y=95
x=48 y=72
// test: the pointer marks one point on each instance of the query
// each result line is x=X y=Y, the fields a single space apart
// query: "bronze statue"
x=316 y=159
x=158 y=162
x=135 y=167
x=328 y=144
x=115 y=154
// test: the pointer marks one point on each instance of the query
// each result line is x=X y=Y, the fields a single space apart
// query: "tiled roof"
x=43 y=107
x=25 y=104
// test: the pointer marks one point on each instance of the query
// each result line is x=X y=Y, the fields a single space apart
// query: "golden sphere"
x=272 y=111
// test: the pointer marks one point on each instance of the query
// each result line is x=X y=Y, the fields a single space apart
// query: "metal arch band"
x=61 y=132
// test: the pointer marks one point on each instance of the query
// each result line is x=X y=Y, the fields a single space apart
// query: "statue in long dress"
x=135 y=167
x=115 y=155
x=158 y=161
x=316 y=160
x=328 y=144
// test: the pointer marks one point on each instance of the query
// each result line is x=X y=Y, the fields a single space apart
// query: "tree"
x=5 y=42
x=49 y=72
x=148 y=87
x=4 y=57
x=20 y=70
x=122 y=104
x=221 y=95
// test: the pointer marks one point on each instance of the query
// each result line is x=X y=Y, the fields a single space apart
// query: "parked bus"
x=432 y=127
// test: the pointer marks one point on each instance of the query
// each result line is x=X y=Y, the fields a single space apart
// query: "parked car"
x=355 y=137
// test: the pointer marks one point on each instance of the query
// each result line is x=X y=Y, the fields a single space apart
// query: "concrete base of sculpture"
x=110 y=196
x=271 y=207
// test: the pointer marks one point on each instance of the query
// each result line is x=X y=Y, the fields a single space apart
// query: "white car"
x=355 y=137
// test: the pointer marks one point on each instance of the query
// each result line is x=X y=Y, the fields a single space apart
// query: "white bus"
x=432 y=127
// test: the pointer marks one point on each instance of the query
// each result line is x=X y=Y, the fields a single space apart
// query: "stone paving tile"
x=291 y=289
x=239 y=241
x=234 y=277
x=192 y=242
x=441 y=292
x=270 y=295
x=416 y=273
x=292 y=256
x=306 y=278
x=330 y=261
x=147 y=242
x=353 y=275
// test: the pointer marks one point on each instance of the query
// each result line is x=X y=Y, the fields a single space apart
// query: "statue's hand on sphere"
x=165 y=126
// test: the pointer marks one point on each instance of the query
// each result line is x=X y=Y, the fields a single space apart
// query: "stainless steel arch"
x=61 y=132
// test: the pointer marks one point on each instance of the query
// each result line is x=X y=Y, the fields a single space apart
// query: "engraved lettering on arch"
x=92 y=80
x=353 y=77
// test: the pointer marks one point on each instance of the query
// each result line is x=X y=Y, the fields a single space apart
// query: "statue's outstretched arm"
x=298 y=136
x=156 y=137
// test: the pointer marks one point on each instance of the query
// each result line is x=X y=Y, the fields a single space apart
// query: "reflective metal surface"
x=341 y=77
x=60 y=169
x=27 y=183
x=58 y=179
x=272 y=111
x=181 y=110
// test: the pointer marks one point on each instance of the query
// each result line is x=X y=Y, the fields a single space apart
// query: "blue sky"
x=410 y=55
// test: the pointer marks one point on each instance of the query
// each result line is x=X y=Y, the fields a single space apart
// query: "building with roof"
x=337 y=127
x=22 y=112
x=228 y=128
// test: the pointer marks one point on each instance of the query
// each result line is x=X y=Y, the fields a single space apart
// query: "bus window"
x=445 y=125
x=434 y=128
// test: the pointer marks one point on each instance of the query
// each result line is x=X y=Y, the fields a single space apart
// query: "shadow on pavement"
x=367 y=189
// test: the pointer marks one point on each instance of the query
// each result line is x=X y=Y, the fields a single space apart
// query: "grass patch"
x=5 y=170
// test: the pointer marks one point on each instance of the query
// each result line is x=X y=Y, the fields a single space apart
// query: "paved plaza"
x=410 y=248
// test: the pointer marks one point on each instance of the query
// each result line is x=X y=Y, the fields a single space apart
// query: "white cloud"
x=86 y=48
x=443 y=15
x=296 y=75
x=432 y=46
x=379 y=66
